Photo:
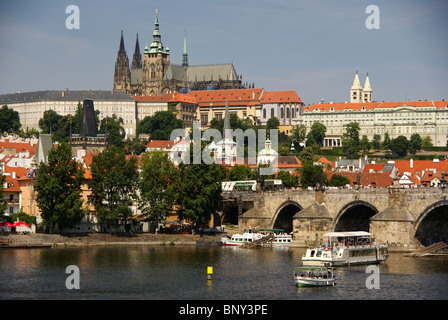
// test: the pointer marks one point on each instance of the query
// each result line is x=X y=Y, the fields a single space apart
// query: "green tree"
x=160 y=125
x=115 y=130
x=158 y=185
x=415 y=144
x=200 y=192
x=298 y=135
x=427 y=142
x=399 y=146
x=350 y=139
x=288 y=180
x=9 y=120
x=241 y=173
x=317 y=133
x=135 y=146
x=306 y=156
x=376 y=142
x=364 y=144
x=338 y=180
x=113 y=184
x=50 y=121
x=311 y=174
x=386 y=141
x=58 y=186
x=272 y=123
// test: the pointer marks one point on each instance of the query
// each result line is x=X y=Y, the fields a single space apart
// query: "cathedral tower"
x=137 y=58
x=122 y=74
x=155 y=63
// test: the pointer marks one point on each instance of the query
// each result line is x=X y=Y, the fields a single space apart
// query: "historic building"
x=32 y=105
x=359 y=93
x=427 y=118
x=155 y=75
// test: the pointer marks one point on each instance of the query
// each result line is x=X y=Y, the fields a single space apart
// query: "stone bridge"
x=402 y=217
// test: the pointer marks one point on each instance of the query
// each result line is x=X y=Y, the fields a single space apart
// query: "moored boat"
x=314 y=276
x=346 y=248
x=280 y=238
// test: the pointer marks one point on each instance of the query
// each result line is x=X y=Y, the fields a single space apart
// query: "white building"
x=32 y=105
x=427 y=118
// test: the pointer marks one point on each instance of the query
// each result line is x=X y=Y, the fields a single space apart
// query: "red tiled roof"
x=377 y=167
x=374 y=105
x=233 y=96
x=160 y=144
x=180 y=97
x=18 y=146
x=419 y=166
x=375 y=180
x=289 y=96
x=13 y=184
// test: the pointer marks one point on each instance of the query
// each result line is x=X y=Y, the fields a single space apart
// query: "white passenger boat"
x=314 y=276
x=346 y=248
x=281 y=238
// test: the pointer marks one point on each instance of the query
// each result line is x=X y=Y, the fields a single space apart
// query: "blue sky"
x=313 y=47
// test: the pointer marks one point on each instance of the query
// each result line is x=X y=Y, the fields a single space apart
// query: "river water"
x=179 y=273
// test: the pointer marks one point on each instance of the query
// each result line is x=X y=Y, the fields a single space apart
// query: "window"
x=272 y=112
x=264 y=113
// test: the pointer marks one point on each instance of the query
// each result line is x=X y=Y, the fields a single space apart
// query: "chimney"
x=411 y=163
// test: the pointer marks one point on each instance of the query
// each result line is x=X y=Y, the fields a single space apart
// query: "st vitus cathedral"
x=154 y=75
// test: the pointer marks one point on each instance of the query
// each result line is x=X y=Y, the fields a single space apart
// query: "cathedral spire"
x=185 y=54
x=121 y=43
x=137 y=59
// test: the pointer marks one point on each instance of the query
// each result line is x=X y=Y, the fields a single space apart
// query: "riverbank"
x=142 y=239
x=106 y=239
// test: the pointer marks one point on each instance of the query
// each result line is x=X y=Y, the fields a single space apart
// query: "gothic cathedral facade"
x=154 y=75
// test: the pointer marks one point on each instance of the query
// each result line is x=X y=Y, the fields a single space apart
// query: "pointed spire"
x=185 y=54
x=367 y=86
x=121 y=43
x=137 y=59
x=356 y=82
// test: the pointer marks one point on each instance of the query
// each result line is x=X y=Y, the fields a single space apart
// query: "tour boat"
x=281 y=238
x=314 y=276
x=345 y=249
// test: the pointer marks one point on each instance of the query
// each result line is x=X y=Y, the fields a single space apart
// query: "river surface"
x=179 y=273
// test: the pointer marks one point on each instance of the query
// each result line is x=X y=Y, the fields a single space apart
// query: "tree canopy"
x=58 y=187
x=159 y=126
x=159 y=183
x=200 y=192
x=9 y=120
x=113 y=185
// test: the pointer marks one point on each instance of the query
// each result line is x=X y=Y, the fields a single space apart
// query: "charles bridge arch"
x=402 y=217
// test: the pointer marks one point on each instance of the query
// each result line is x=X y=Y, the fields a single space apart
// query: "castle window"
x=264 y=113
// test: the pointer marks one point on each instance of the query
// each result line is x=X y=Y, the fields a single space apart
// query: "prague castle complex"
x=155 y=75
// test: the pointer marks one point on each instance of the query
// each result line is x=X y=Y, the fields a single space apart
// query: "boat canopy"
x=313 y=268
x=348 y=234
x=273 y=230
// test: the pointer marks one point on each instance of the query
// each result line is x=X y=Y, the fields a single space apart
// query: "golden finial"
x=157 y=10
